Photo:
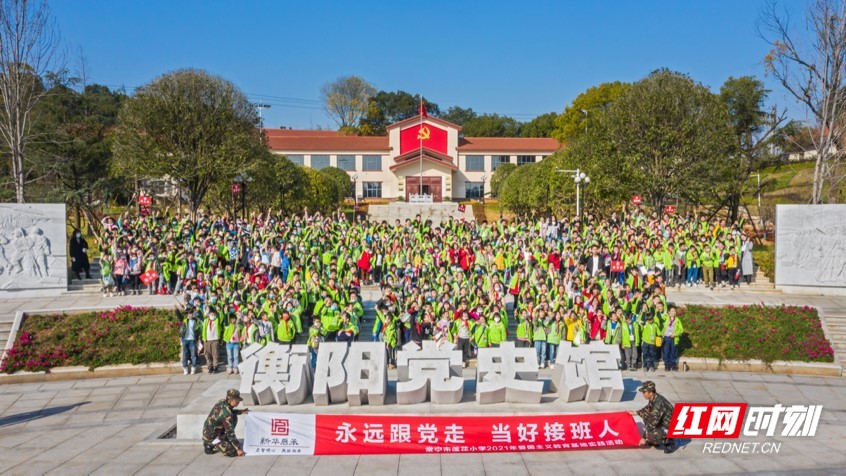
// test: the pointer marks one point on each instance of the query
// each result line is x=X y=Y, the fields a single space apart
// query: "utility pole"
x=261 y=107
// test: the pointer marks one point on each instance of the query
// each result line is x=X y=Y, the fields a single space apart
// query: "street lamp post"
x=355 y=193
x=243 y=179
x=484 y=177
x=579 y=177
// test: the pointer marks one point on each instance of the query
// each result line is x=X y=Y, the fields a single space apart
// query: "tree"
x=340 y=179
x=541 y=126
x=386 y=108
x=757 y=133
x=190 y=127
x=28 y=42
x=75 y=139
x=530 y=188
x=347 y=100
x=278 y=184
x=321 y=193
x=499 y=176
x=491 y=125
x=585 y=109
x=459 y=115
x=811 y=64
x=667 y=136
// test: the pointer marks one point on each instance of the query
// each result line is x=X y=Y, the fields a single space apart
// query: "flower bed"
x=759 y=332
x=125 y=335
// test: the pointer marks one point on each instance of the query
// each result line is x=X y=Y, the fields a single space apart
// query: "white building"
x=453 y=167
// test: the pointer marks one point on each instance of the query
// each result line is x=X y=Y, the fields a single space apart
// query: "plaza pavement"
x=111 y=426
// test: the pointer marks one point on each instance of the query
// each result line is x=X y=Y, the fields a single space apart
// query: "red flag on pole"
x=422 y=109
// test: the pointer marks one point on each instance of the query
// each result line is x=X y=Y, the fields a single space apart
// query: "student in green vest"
x=707 y=261
x=672 y=330
x=539 y=338
x=286 y=331
x=496 y=331
x=390 y=335
x=614 y=330
x=630 y=342
x=480 y=335
x=524 y=329
x=647 y=336
x=554 y=331
x=315 y=337
x=233 y=335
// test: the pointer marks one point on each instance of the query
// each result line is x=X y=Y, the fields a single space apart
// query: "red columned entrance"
x=431 y=185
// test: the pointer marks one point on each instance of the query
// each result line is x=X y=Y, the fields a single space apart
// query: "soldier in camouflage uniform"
x=219 y=428
x=656 y=418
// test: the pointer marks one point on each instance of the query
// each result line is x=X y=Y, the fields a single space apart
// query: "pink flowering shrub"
x=766 y=333
x=124 y=335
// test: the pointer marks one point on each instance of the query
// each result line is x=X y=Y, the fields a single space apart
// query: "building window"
x=475 y=163
x=297 y=159
x=497 y=160
x=372 y=189
x=372 y=163
x=525 y=159
x=346 y=162
x=474 y=189
x=319 y=161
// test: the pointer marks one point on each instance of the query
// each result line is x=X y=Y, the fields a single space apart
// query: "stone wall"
x=33 y=250
x=811 y=248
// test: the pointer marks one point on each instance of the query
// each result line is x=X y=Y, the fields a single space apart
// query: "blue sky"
x=519 y=58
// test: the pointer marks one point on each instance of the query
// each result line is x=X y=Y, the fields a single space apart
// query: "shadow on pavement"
x=36 y=414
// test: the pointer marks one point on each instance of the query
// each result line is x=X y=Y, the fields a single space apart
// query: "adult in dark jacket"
x=79 y=255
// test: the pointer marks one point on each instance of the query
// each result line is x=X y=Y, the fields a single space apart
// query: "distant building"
x=453 y=167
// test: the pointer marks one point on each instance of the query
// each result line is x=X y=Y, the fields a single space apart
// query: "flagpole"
x=420 y=136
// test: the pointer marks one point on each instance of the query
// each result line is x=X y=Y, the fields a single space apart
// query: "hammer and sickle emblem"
x=423 y=133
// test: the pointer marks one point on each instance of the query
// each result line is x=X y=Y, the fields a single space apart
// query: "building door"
x=430 y=186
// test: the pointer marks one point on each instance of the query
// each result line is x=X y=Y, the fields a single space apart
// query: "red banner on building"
x=430 y=136
x=303 y=434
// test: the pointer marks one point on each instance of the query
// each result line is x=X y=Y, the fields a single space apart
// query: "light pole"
x=578 y=178
x=243 y=179
x=261 y=107
x=484 y=177
x=355 y=193
x=759 y=192
x=585 y=112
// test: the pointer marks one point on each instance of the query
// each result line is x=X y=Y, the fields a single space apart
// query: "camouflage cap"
x=648 y=386
x=233 y=394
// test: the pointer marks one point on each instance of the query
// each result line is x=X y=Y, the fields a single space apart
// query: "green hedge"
x=125 y=335
x=754 y=332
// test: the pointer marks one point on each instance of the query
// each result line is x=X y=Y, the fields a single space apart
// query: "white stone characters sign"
x=33 y=250
x=432 y=373
x=357 y=374
x=811 y=248
x=275 y=373
x=588 y=372
x=508 y=374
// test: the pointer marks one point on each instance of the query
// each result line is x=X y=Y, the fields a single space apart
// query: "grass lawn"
x=754 y=332
x=125 y=335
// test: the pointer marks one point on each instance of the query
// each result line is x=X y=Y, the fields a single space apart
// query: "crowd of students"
x=274 y=278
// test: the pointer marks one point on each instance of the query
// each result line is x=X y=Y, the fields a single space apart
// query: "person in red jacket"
x=364 y=265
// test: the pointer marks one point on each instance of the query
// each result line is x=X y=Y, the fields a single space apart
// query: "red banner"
x=670 y=209
x=145 y=200
x=462 y=208
x=636 y=199
x=618 y=266
x=404 y=434
x=432 y=137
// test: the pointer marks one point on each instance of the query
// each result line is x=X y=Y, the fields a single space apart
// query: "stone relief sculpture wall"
x=33 y=250
x=811 y=246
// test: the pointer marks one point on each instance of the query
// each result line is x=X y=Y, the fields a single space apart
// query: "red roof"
x=416 y=120
x=430 y=155
x=303 y=140
x=508 y=144
x=299 y=133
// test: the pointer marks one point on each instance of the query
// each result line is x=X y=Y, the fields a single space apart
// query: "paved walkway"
x=109 y=426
